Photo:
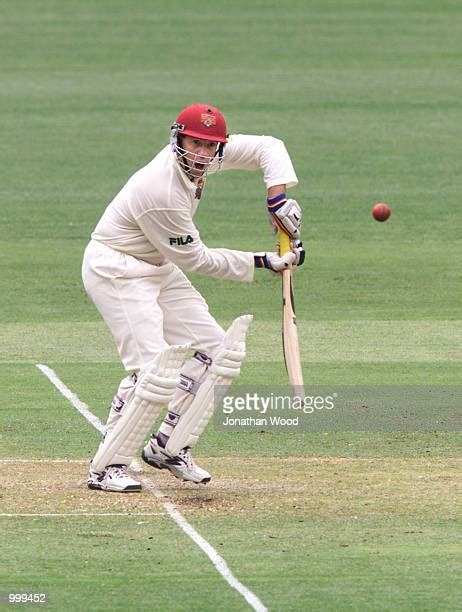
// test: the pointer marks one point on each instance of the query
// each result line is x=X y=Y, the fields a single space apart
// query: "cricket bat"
x=290 y=343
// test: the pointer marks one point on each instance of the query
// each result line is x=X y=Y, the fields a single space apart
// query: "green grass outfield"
x=367 y=97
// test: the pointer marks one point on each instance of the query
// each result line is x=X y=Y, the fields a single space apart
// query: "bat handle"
x=284 y=243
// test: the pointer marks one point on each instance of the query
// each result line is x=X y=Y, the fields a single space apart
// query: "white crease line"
x=218 y=561
x=72 y=397
x=44 y=461
x=80 y=514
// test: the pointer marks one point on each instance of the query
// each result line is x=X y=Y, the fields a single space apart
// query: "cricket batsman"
x=134 y=267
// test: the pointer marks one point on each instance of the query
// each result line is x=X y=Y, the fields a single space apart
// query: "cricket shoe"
x=182 y=466
x=114 y=478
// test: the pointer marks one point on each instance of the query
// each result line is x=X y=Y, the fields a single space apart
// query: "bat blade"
x=290 y=341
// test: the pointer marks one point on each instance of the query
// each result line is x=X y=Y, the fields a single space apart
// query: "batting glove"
x=285 y=214
x=278 y=263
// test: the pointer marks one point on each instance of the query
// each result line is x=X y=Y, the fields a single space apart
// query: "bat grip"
x=284 y=243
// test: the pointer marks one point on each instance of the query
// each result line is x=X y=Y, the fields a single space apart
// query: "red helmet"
x=202 y=121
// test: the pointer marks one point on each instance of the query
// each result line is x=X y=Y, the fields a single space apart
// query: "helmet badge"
x=208 y=120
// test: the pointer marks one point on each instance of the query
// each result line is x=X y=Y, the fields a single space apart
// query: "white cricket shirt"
x=151 y=218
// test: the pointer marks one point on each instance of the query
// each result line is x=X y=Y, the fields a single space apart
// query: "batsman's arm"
x=173 y=233
x=284 y=239
x=275 y=190
x=285 y=213
x=264 y=153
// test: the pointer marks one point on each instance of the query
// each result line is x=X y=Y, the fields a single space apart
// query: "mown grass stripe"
x=325 y=341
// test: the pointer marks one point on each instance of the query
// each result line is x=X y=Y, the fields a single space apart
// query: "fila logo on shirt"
x=181 y=240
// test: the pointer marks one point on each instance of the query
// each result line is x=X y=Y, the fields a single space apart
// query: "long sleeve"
x=265 y=153
x=174 y=235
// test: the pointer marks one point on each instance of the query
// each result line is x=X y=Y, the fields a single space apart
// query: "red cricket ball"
x=381 y=211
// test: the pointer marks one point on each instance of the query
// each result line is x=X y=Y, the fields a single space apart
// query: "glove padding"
x=278 y=263
x=285 y=215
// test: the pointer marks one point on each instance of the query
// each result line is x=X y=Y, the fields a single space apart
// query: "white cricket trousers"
x=147 y=307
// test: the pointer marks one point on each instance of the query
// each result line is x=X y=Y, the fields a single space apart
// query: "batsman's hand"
x=278 y=263
x=285 y=215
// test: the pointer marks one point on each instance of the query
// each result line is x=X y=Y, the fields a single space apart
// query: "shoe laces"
x=118 y=470
x=185 y=455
